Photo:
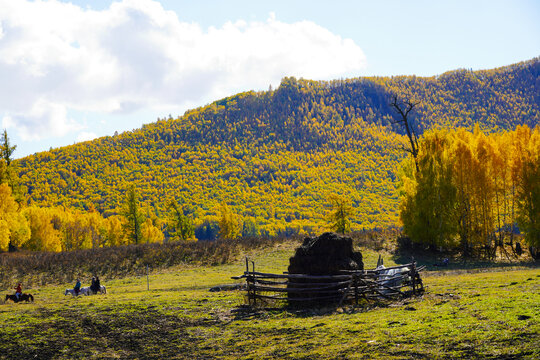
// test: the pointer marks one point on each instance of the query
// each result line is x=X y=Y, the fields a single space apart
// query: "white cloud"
x=44 y=119
x=85 y=136
x=56 y=56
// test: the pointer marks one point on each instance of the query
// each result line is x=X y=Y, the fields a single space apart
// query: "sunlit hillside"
x=275 y=156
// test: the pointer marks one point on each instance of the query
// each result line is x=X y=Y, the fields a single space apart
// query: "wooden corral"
x=348 y=287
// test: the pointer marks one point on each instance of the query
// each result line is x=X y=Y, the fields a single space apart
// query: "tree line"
x=274 y=156
x=474 y=192
x=60 y=228
x=466 y=191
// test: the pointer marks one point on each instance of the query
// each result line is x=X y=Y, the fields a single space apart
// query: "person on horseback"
x=77 y=287
x=18 y=291
x=96 y=286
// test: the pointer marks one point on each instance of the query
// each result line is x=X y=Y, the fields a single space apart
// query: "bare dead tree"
x=404 y=108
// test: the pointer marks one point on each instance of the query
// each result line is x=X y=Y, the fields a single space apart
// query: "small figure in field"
x=18 y=291
x=444 y=263
x=95 y=286
x=77 y=287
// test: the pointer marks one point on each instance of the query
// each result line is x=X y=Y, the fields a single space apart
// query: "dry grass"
x=40 y=268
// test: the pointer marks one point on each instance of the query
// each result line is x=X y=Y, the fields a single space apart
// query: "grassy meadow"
x=465 y=313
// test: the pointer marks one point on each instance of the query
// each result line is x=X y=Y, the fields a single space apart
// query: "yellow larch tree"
x=14 y=228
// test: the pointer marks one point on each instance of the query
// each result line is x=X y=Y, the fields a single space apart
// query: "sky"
x=76 y=70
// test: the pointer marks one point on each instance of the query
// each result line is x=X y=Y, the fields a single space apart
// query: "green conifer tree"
x=341 y=213
x=181 y=225
x=134 y=217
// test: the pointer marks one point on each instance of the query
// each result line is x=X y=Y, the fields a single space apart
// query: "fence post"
x=247 y=281
x=414 y=277
x=355 y=277
x=253 y=280
x=147 y=279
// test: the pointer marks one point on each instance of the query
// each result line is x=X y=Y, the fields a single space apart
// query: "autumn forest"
x=278 y=162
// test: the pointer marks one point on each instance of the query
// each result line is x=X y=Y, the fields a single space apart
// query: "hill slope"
x=275 y=156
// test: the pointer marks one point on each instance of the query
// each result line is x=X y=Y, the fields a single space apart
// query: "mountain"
x=275 y=156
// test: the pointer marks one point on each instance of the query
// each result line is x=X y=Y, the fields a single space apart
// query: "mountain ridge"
x=284 y=149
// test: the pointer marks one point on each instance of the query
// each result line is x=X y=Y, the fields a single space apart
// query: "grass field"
x=465 y=314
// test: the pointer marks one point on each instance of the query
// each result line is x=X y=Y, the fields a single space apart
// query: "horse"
x=102 y=289
x=82 y=291
x=390 y=278
x=22 y=297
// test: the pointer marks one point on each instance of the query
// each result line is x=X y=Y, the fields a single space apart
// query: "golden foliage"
x=229 y=223
x=273 y=156
x=13 y=226
x=473 y=188
x=150 y=233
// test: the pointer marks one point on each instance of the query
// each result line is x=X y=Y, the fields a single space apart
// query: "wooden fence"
x=347 y=286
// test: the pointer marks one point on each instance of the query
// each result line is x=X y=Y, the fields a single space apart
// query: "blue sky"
x=76 y=70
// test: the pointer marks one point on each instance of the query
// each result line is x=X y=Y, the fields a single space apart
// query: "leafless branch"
x=404 y=108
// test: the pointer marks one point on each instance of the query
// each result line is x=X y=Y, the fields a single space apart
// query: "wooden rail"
x=347 y=286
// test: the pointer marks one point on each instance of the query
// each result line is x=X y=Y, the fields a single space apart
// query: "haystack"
x=327 y=254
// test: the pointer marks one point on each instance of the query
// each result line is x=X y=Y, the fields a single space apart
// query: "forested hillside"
x=274 y=157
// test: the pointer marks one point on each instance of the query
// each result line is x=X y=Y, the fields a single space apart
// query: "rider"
x=77 y=287
x=18 y=291
x=93 y=284
x=95 y=287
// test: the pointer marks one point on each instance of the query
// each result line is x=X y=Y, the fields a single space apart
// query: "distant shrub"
x=208 y=230
x=404 y=243
x=377 y=239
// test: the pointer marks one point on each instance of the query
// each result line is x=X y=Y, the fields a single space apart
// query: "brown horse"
x=22 y=297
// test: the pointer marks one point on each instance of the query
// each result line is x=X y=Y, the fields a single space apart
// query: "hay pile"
x=327 y=254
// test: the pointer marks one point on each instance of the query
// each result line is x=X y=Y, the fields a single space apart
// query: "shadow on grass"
x=265 y=310
x=77 y=334
x=434 y=262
